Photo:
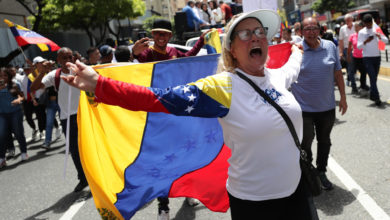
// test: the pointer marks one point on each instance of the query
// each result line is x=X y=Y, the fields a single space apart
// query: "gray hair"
x=347 y=16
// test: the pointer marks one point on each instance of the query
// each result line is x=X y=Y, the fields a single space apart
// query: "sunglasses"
x=246 y=34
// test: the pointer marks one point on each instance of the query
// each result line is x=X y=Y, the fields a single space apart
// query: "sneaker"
x=163 y=215
x=326 y=184
x=34 y=135
x=11 y=153
x=3 y=163
x=58 y=132
x=24 y=156
x=355 y=91
x=82 y=184
x=192 y=201
x=378 y=102
x=46 y=146
x=42 y=135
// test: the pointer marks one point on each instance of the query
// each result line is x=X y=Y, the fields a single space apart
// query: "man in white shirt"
x=368 y=39
x=68 y=100
x=345 y=31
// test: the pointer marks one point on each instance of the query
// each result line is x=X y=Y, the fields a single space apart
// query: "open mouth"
x=256 y=52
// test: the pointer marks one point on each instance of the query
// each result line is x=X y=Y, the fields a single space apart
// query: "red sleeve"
x=127 y=95
x=195 y=50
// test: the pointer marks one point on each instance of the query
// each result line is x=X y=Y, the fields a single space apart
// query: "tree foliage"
x=321 y=6
x=91 y=16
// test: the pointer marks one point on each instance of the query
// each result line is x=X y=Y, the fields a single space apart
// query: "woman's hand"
x=297 y=47
x=84 y=78
x=206 y=32
x=17 y=101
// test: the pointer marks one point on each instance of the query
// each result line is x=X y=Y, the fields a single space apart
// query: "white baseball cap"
x=38 y=59
x=269 y=18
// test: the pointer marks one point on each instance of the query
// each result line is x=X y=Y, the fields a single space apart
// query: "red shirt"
x=227 y=10
x=153 y=54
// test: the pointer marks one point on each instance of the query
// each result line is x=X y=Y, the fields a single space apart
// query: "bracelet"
x=134 y=56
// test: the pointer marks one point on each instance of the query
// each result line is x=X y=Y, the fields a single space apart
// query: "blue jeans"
x=318 y=124
x=13 y=121
x=372 y=65
x=51 y=110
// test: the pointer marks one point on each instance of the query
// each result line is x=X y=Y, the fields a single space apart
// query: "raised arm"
x=187 y=100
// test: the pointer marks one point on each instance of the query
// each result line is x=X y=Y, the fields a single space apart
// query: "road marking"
x=362 y=196
x=383 y=78
x=73 y=209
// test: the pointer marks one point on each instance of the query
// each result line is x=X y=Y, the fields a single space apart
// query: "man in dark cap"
x=368 y=39
x=107 y=53
x=162 y=33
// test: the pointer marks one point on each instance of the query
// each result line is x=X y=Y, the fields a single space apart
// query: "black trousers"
x=29 y=109
x=318 y=124
x=73 y=145
x=299 y=205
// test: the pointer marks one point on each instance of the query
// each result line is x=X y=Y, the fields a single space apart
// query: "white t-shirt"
x=344 y=34
x=265 y=161
x=23 y=82
x=63 y=94
x=370 y=49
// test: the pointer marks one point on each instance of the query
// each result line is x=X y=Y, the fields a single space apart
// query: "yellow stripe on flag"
x=43 y=47
x=105 y=143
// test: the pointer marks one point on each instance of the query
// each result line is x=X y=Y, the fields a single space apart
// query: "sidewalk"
x=385 y=64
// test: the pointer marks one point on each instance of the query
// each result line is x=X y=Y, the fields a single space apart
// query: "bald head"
x=64 y=55
x=310 y=21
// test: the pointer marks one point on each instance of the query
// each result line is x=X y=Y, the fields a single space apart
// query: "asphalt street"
x=42 y=187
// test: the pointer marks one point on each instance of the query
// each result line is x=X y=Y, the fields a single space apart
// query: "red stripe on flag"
x=36 y=40
x=207 y=184
x=278 y=55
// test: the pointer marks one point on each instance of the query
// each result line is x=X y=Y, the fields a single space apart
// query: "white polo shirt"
x=344 y=34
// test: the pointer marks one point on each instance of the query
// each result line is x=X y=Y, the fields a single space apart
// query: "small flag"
x=381 y=44
x=213 y=42
x=24 y=36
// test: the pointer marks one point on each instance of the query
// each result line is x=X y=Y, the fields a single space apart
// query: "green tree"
x=91 y=16
x=321 y=6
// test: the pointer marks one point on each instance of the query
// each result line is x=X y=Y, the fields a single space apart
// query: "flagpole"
x=21 y=50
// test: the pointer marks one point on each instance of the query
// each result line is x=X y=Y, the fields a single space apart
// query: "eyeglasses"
x=311 y=28
x=246 y=34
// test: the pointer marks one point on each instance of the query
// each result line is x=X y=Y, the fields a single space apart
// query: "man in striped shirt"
x=314 y=91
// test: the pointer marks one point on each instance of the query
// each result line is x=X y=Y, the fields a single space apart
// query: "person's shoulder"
x=52 y=73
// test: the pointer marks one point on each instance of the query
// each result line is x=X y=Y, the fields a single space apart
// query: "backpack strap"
x=57 y=79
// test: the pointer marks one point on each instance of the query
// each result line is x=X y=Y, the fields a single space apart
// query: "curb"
x=384 y=71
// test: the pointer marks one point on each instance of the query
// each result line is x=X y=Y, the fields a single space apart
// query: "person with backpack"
x=67 y=95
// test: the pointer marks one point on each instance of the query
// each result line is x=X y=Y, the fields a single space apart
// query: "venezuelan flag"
x=133 y=157
x=130 y=157
x=213 y=42
x=24 y=36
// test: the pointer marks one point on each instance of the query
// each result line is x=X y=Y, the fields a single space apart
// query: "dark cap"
x=162 y=25
x=367 y=18
x=105 y=50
